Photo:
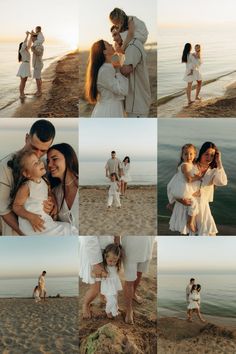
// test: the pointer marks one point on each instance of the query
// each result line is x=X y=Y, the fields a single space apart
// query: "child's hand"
x=37 y=222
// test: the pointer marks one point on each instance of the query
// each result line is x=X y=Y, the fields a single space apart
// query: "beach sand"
x=85 y=109
x=60 y=91
x=46 y=327
x=177 y=336
x=117 y=336
x=137 y=215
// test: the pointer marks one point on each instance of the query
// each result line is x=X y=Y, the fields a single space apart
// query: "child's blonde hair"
x=187 y=146
x=120 y=15
x=117 y=250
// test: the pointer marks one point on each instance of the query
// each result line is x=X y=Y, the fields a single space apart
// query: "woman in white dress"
x=24 y=59
x=105 y=85
x=187 y=58
x=210 y=166
x=125 y=165
x=196 y=71
x=62 y=165
x=194 y=303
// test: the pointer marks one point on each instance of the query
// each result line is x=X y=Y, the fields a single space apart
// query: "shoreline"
x=59 y=92
x=130 y=186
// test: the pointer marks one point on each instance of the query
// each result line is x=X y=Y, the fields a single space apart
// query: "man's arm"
x=12 y=221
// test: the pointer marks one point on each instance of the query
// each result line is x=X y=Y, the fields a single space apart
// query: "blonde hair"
x=120 y=15
x=185 y=147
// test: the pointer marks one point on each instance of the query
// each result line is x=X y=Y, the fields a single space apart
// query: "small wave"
x=9 y=103
x=170 y=97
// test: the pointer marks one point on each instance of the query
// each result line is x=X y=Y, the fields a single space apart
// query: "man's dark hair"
x=113 y=152
x=192 y=279
x=44 y=272
x=44 y=130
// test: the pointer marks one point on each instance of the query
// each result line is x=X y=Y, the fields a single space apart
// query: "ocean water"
x=217 y=294
x=172 y=135
x=93 y=173
x=23 y=287
x=9 y=65
x=218 y=55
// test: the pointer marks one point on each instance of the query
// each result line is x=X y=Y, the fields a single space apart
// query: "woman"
x=104 y=85
x=187 y=58
x=63 y=176
x=196 y=71
x=125 y=166
x=194 y=303
x=210 y=167
x=24 y=58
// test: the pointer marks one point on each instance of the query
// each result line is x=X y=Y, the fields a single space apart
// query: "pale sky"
x=196 y=254
x=94 y=20
x=58 y=19
x=185 y=12
x=29 y=256
x=136 y=137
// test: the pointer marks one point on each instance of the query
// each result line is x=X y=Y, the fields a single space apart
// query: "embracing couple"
x=192 y=188
x=119 y=83
x=38 y=198
x=193 y=299
x=100 y=260
x=34 y=42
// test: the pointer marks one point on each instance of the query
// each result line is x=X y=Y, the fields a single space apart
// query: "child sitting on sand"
x=36 y=294
x=30 y=190
x=134 y=26
x=114 y=191
x=40 y=37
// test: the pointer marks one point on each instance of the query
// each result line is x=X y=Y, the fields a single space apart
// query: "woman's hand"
x=185 y=201
x=50 y=207
x=218 y=159
x=37 y=222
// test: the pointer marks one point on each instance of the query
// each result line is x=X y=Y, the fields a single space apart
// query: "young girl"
x=182 y=185
x=112 y=257
x=36 y=294
x=114 y=191
x=135 y=27
x=30 y=190
x=40 y=36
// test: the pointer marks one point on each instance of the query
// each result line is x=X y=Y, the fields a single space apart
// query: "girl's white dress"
x=38 y=193
x=112 y=87
x=194 y=300
x=24 y=69
x=110 y=287
x=113 y=194
x=190 y=65
x=126 y=170
x=37 y=295
x=66 y=214
x=205 y=223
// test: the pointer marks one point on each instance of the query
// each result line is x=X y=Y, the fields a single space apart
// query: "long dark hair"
x=95 y=61
x=126 y=157
x=186 y=51
x=71 y=162
x=117 y=250
x=208 y=145
x=19 y=54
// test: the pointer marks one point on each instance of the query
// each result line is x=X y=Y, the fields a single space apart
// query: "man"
x=41 y=284
x=113 y=165
x=39 y=139
x=138 y=100
x=189 y=288
x=138 y=253
x=37 y=63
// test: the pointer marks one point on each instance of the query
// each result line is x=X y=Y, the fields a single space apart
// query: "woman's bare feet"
x=190 y=102
x=137 y=299
x=87 y=314
x=129 y=317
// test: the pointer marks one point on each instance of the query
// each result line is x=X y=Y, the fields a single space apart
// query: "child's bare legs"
x=137 y=298
x=90 y=295
x=198 y=89
x=22 y=86
x=188 y=91
x=129 y=294
x=191 y=223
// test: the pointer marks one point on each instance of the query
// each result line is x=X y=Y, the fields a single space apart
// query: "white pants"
x=115 y=197
x=112 y=305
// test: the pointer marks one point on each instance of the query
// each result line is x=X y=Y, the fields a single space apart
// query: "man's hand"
x=37 y=222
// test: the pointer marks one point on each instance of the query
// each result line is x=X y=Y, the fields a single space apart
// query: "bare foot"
x=138 y=299
x=202 y=320
x=109 y=315
x=189 y=320
x=190 y=102
x=198 y=98
x=192 y=227
x=129 y=318
x=87 y=314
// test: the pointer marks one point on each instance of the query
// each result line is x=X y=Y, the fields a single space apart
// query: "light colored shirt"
x=113 y=165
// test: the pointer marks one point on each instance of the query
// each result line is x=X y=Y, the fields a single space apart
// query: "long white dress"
x=112 y=87
x=110 y=287
x=194 y=299
x=24 y=69
x=190 y=65
x=205 y=223
x=65 y=214
x=126 y=170
x=34 y=203
x=90 y=253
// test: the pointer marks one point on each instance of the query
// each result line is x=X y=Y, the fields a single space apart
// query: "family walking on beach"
x=34 y=42
x=38 y=198
x=117 y=79
x=40 y=289
x=119 y=175
x=100 y=260
x=192 y=189
x=193 y=299
x=192 y=72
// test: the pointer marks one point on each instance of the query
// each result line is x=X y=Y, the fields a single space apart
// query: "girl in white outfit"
x=36 y=294
x=182 y=185
x=112 y=256
x=30 y=190
x=24 y=59
x=105 y=85
x=114 y=191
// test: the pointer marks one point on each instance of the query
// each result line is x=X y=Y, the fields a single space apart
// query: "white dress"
x=190 y=65
x=34 y=203
x=204 y=219
x=110 y=287
x=194 y=299
x=126 y=168
x=24 y=69
x=66 y=214
x=197 y=76
x=37 y=295
x=114 y=194
x=112 y=87
x=90 y=253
